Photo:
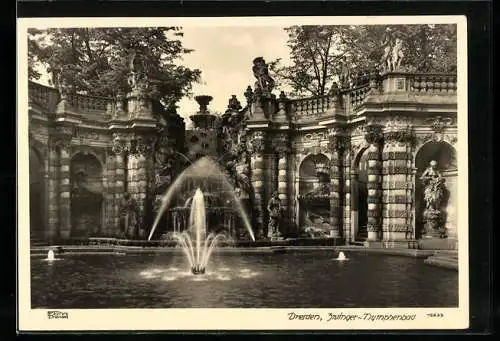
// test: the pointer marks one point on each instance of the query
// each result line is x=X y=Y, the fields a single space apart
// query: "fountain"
x=51 y=255
x=341 y=256
x=197 y=252
x=191 y=234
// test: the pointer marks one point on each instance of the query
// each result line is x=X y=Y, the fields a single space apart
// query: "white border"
x=232 y=319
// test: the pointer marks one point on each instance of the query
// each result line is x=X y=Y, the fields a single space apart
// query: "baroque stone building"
x=350 y=165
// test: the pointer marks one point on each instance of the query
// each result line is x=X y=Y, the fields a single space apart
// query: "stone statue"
x=137 y=73
x=234 y=104
x=397 y=54
x=129 y=215
x=261 y=72
x=242 y=175
x=433 y=182
x=386 y=55
x=345 y=75
x=393 y=53
x=274 y=209
x=433 y=195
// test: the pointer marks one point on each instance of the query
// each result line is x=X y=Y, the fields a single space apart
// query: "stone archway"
x=313 y=211
x=444 y=155
x=37 y=195
x=359 y=196
x=86 y=196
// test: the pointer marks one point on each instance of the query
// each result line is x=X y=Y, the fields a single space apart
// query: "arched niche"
x=38 y=205
x=445 y=156
x=87 y=199
x=359 y=195
x=314 y=195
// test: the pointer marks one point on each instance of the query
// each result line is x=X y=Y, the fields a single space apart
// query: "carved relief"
x=374 y=134
x=439 y=124
x=280 y=144
x=358 y=131
x=256 y=143
x=118 y=145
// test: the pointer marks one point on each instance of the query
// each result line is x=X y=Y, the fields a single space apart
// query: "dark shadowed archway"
x=86 y=196
x=314 y=196
x=37 y=195
x=359 y=196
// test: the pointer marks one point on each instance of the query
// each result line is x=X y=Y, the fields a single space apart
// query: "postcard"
x=242 y=173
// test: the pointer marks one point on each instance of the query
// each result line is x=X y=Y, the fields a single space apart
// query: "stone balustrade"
x=86 y=103
x=316 y=107
x=42 y=95
x=353 y=98
x=431 y=83
x=48 y=98
x=312 y=107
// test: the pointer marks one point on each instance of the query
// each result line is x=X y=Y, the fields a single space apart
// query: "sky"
x=225 y=55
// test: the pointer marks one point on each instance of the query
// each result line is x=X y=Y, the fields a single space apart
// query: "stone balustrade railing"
x=312 y=107
x=45 y=96
x=431 y=83
x=353 y=98
x=86 y=103
x=94 y=106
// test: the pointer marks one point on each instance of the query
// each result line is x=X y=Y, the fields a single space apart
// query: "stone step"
x=444 y=262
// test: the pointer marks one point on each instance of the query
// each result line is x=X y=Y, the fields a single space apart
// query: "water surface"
x=302 y=280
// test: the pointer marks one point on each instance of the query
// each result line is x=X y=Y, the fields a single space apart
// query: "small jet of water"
x=51 y=255
x=341 y=256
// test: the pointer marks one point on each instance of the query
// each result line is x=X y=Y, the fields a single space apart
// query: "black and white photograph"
x=291 y=172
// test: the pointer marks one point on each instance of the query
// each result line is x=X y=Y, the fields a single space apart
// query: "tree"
x=320 y=55
x=96 y=61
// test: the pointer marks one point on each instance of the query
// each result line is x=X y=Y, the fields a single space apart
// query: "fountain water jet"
x=197 y=253
x=341 y=256
x=206 y=169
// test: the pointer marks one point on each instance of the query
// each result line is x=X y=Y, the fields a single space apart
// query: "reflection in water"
x=307 y=280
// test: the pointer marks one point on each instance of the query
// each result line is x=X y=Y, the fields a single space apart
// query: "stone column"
x=375 y=139
x=336 y=146
x=256 y=148
x=398 y=185
x=347 y=223
x=64 y=186
x=53 y=191
x=119 y=187
x=142 y=180
x=282 y=149
x=110 y=195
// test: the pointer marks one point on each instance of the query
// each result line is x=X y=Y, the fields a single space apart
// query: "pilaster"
x=397 y=185
x=336 y=147
x=281 y=145
x=256 y=146
x=374 y=138
x=64 y=136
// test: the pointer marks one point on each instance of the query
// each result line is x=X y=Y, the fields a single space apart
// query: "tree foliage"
x=320 y=54
x=96 y=61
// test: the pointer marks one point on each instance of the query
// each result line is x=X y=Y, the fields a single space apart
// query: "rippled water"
x=241 y=280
